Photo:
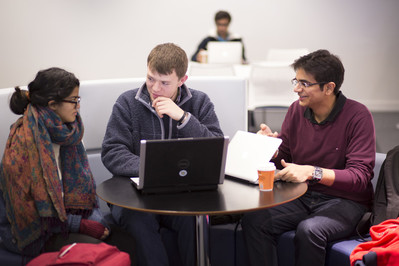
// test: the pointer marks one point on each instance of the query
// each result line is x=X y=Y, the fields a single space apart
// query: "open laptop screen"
x=224 y=52
x=247 y=151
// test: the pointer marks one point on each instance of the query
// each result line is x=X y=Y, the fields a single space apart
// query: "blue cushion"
x=340 y=251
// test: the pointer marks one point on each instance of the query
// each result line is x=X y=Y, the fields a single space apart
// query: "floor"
x=386 y=125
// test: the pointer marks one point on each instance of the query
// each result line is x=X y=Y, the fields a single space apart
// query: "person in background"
x=220 y=34
x=162 y=108
x=328 y=142
x=47 y=192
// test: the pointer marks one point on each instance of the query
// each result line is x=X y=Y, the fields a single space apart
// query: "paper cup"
x=266 y=176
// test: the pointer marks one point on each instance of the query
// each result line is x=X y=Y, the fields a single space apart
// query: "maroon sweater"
x=344 y=142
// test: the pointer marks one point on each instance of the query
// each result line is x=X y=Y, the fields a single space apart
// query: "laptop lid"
x=224 y=52
x=186 y=164
x=246 y=152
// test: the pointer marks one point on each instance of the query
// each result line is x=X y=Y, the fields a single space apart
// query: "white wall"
x=99 y=39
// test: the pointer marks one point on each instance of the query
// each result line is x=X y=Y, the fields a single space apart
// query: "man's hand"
x=165 y=106
x=294 y=173
x=265 y=130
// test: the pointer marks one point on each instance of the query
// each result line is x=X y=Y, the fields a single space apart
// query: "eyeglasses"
x=305 y=84
x=77 y=100
x=222 y=24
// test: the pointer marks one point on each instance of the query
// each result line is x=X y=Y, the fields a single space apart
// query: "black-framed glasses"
x=76 y=101
x=305 y=84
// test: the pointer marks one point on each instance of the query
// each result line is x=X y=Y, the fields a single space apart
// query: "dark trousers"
x=317 y=219
x=145 y=229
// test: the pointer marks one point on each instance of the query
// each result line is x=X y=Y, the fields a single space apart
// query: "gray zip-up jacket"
x=134 y=119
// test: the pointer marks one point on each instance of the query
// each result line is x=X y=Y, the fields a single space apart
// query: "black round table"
x=230 y=197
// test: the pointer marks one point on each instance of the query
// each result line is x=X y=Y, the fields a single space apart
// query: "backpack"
x=83 y=254
x=386 y=200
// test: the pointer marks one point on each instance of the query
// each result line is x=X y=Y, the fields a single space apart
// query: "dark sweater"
x=133 y=119
x=344 y=142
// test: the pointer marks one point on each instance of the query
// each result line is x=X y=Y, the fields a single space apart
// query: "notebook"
x=177 y=165
x=224 y=52
x=246 y=152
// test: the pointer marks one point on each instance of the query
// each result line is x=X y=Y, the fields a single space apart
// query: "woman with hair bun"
x=47 y=191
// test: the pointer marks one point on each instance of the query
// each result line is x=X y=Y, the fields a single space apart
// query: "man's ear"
x=52 y=104
x=330 y=86
x=182 y=80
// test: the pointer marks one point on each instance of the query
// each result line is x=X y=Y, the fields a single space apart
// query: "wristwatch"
x=317 y=175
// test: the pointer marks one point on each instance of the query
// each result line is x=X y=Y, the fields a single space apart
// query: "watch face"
x=317 y=174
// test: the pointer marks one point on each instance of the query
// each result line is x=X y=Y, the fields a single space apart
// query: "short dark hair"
x=323 y=66
x=166 y=57
x=221 y=15
x=49 y=84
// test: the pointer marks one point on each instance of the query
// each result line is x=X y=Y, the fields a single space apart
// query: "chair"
x=269 y=91
x=7 y=117
x=273 y=116
x=196 y=69
x=269 y=85
x=285 y=55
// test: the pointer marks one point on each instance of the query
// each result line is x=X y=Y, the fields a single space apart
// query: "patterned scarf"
x=29 y=178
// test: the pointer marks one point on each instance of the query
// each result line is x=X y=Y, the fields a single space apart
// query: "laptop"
x=179 y=165
x=224 y=52
x=246 y=152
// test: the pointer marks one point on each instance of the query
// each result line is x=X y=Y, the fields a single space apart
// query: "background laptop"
x=224 y=52
x=176 y=165
x=246 y=152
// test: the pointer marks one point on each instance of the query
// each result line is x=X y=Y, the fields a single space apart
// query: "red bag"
x=384 y=242
x=83 y=254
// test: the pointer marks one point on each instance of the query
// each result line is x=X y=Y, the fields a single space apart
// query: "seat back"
x=97 y=99
x=285 y=55
x=7 y=118
x=379 y=160
x=386 y=202
x=269 y=85
x=197 y=69
x=228 y=94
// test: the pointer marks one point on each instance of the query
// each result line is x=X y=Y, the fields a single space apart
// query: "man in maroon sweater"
x=329 y=142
